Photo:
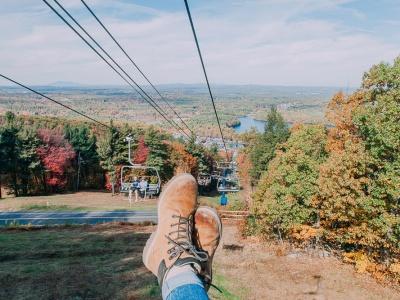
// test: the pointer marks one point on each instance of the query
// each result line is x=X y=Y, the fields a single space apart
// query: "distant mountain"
x=65 y=84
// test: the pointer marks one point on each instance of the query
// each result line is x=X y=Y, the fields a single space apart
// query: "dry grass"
x=85 y=201
x=104 y=262
x=271 y=271
x=95 y=201
x=85 y=262
x=80 y=262
x=96 y=262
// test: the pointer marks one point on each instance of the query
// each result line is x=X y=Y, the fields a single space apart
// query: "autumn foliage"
x=183 y=161
x=342 y=187
x=141 y=153
x=56 y=155
x=244 y=164
x=285 y=193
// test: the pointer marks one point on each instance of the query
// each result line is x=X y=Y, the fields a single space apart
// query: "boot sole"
x=216 y=216
x=150 y=241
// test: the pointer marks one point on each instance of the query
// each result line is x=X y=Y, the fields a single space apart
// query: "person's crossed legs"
x=181 y=250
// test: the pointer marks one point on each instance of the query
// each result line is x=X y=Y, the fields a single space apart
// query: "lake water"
x=246 y=123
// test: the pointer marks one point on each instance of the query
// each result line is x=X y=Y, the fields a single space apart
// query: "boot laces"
x=181 y=239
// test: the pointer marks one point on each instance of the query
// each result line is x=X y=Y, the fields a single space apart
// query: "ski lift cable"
x=55 y=101
x=107 y=54
x=134 y=64
x=205 y=75
x=149 y=100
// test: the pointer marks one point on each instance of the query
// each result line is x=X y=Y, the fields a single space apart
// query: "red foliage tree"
x=117 y=179
x=141 y=153
x=56 y=155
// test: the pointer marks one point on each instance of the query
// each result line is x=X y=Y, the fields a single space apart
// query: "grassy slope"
x=82 y=201
x=102 y=262
x=80 y=262
x=99 y=201
x=234 y=202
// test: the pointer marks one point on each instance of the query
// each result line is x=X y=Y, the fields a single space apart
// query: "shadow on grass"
x=67 y=208
x=52 y=207
x=88 y=262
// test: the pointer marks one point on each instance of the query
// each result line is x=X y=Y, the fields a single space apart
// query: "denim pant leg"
x=188 y=292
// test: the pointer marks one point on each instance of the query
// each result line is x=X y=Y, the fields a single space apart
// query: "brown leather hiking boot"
x=171 y=243
x=206 y=237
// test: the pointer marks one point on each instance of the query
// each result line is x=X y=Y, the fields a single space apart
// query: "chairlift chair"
x=228 y=181
x=204 y=179
x=223 y=165
x=129 y=172
x=228 y=184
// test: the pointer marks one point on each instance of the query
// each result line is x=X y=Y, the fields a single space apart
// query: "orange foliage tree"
x=352 y=203
x=244 y=166
x=182 y=160
x=340 y=112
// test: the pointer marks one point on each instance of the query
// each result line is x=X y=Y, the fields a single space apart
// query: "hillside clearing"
x=104 y=262
x=268 y=271
x=81 y=201
x=97 y=201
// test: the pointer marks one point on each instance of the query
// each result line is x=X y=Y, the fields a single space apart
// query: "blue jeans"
x=188 y=292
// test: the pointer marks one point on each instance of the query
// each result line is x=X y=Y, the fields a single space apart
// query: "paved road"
x=61 y=218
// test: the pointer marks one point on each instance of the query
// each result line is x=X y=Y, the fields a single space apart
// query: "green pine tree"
x=263 y=149
x=85 y=145
x=8 y=151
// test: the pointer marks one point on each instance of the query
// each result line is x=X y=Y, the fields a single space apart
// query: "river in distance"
x=246 y=123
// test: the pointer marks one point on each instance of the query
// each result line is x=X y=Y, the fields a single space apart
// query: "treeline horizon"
x=43 y=155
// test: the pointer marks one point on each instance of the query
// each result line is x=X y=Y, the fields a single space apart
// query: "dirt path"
x=255 y=271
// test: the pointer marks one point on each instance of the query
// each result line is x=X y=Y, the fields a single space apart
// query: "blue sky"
x=275 y=42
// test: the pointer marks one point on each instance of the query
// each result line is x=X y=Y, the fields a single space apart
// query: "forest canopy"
x=340 y=185
x=44 y=155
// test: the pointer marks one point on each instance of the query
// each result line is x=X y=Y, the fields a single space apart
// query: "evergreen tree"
x=263 y=147
x=84 y=144
x=108 y=148
x=82 y=141
x=205 y=158
x=8 y=151
x=29 y=166
x=158 y=155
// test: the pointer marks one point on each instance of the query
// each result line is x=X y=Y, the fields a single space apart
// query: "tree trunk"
x=44 y=182
x=25 y=187
x=15 y=183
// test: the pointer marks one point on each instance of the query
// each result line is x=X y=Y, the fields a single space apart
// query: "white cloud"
x=263 y=42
